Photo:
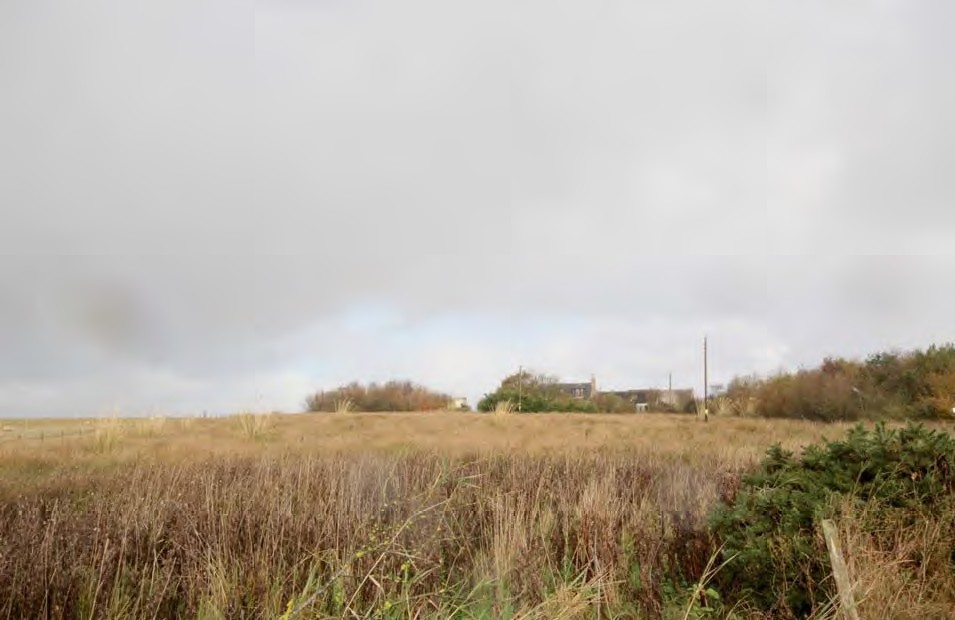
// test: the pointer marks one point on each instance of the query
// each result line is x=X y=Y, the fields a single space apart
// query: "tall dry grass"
x=254 y=425
x=389 y=516
x=904 y=572
x=416 y=534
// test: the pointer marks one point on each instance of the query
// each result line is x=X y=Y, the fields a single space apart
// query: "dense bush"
x=770 y=529
x=536 y=393
x=391 y=396
x=919 y=384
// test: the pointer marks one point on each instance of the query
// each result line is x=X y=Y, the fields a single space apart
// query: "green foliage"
x=770 y=526
x=390 y=396
x=535 y=393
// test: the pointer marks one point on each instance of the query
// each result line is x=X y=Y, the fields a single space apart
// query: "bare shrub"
x=390 y=396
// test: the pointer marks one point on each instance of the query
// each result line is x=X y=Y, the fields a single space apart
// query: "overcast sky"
x=213 y=206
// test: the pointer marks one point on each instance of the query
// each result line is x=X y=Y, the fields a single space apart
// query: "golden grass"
x=909 y=577
x=254 y=426
x=424 y=515
x=732 y=442
x=504 y=407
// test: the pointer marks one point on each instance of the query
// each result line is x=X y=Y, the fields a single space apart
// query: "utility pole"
x=520 y=387
x=706 y=385
x=670 y=388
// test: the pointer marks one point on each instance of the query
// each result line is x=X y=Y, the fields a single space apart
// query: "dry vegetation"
x=384 y=515
x=390 y=396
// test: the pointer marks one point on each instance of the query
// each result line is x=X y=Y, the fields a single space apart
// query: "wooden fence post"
x=839 y=570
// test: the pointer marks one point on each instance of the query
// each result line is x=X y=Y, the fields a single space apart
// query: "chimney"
x=593 y=385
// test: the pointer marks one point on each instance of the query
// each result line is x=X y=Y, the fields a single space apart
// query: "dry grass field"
x=439 y=515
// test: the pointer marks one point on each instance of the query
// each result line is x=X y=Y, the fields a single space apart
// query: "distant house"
x=643 y=399
x=580 y=390
x=677 y=398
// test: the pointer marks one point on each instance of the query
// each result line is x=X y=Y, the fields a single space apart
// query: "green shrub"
x=534 y=392
x=770 y=529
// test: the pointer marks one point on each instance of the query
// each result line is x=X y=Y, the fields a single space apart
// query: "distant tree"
x=892 y=384
x=390 y=396
x=539 y=392
x=534 y=392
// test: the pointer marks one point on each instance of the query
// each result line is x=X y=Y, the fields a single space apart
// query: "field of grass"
x=438 y=515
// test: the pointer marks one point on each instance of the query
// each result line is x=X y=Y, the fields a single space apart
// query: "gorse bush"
x=770 y=529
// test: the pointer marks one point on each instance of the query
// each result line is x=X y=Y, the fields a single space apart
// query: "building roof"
x=577 y=389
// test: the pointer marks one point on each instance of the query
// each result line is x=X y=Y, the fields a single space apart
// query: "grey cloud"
x=864 y=90
x=198 y=199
